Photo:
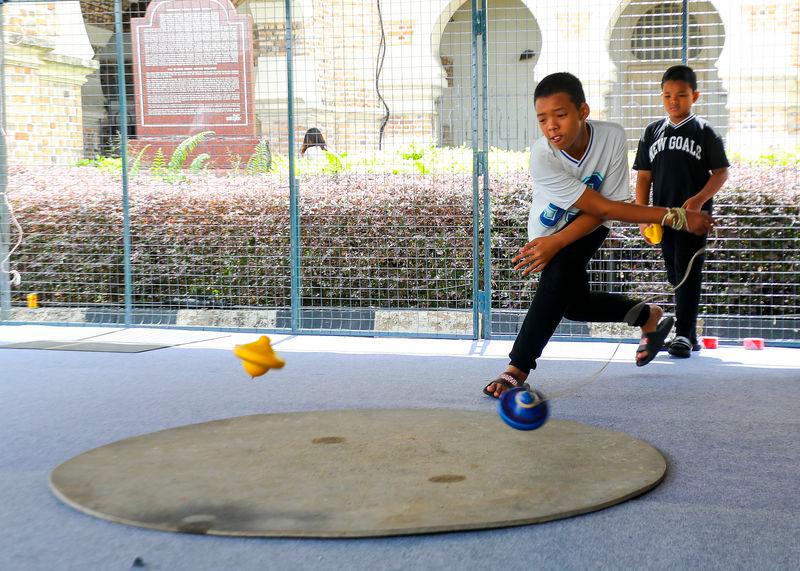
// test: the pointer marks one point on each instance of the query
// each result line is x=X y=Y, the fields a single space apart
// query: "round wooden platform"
x=357 y=473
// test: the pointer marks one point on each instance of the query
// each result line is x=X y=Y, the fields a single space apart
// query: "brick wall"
x=44 y=112
x=794 y=18
x=44 y=118
x=345 y=41
x=38 y=19
x=270 y=39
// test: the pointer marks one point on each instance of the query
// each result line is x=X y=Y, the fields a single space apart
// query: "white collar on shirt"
x=682 y=123
x=586 y=152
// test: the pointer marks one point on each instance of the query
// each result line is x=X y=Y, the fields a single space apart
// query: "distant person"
x=313 y=144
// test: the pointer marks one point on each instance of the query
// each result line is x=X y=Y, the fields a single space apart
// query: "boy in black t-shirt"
x=683 y=159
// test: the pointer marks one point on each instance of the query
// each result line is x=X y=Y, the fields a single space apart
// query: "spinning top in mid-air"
x=523 y=409
x=258 y=357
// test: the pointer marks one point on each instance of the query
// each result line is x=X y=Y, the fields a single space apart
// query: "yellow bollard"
x=33 y=301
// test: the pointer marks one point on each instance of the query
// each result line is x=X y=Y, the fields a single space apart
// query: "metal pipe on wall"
x=294 y=200
x=122 y=94
x=5 y=226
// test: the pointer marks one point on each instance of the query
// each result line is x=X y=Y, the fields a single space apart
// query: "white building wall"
x=758 y=68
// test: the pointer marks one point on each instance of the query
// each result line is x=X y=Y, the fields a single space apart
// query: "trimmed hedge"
x=368 y=240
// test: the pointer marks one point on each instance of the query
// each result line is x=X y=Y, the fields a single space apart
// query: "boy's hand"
x=694 y=203
x=642 y=228
x=536 y=254
x=699 y=222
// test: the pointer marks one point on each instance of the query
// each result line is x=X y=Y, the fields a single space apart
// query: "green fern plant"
x=109 y=164
x=135 y=165
x=199 y=163
x=159 y=165
x=261 y=161
x=115 y=147
x=183 y=150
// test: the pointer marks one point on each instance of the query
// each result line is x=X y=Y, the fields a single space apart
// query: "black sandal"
x=507 y=381
x=654 y=342
x=680 y=347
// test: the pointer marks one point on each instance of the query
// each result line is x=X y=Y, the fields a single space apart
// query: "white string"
x=574 y=389
x=696 y=255
x=15 y=277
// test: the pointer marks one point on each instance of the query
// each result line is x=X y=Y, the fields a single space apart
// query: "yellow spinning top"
x=258 y=357
x=654 y=233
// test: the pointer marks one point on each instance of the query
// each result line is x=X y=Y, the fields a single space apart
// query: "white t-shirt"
x=314 y=152
x=559 y=180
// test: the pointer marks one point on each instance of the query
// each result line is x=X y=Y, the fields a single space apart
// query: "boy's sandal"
x=680 y=347
x=654 y=341
x=695 y=346
x=507 y=381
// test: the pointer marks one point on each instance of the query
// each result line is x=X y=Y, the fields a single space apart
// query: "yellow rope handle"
x=676 y=218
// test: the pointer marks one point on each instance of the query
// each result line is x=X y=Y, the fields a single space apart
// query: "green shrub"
x=367 y=240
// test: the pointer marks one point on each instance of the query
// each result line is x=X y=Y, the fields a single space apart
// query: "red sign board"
x=193 y=69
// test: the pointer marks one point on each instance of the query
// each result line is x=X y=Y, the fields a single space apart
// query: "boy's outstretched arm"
x=715 y=182
x=536 y=254
x=597 y=205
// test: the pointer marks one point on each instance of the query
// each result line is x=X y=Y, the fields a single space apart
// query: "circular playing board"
x=357 y=473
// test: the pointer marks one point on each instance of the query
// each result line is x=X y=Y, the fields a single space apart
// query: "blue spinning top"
x=523 y=409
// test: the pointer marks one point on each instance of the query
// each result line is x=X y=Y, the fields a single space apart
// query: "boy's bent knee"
x=638 y=314
x=561 y=282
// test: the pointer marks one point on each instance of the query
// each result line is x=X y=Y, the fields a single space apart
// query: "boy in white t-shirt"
x=580 y=176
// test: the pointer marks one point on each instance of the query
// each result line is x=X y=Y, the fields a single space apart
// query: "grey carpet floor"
x=731 y=434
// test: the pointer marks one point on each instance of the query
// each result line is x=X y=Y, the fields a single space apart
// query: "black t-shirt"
x=680 y=158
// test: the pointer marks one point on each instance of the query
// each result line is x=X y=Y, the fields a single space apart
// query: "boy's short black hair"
x=561 y=82
x=680 y=73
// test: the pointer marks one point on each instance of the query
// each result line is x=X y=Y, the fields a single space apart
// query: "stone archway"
x=514 y=45
x=645 y=40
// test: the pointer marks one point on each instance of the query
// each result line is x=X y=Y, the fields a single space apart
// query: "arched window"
x=645 y=40
x=514 y=44
x=658 y=32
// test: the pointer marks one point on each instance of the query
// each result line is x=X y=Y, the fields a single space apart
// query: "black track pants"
x=564 y=292
x=678 y=248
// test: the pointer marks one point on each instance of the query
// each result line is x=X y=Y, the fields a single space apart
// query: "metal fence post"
x=294 y=200
x=5 y=230
x=486 y=294
x=481 y=258
x=685 y=33
x=478 y=22
x=122 y=94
